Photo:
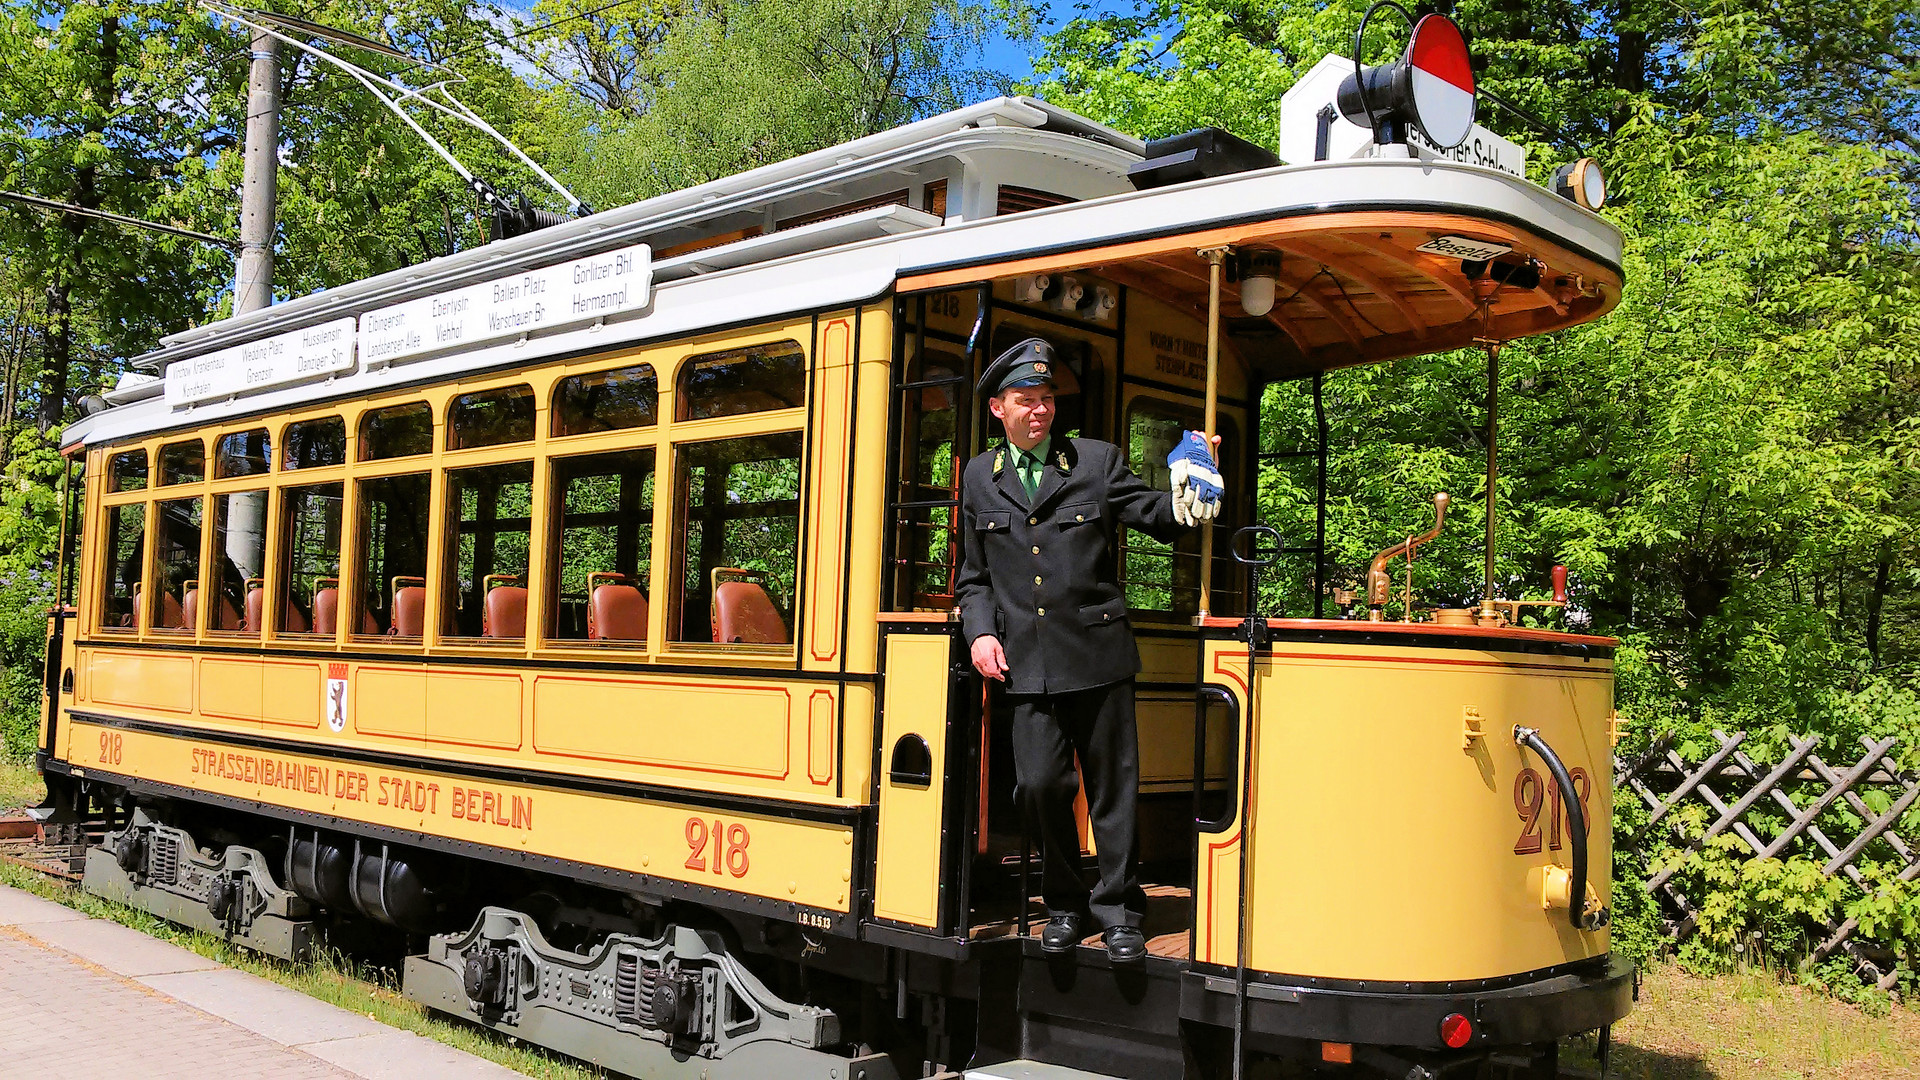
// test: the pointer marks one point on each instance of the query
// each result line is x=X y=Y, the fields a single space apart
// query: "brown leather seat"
x=743 y=613
x=326 y=615
x=190 y=608
x=504 y=614
x=256 y=608
x=171 y=616
x=410 y=611
x=617 y=613
x=326 y=611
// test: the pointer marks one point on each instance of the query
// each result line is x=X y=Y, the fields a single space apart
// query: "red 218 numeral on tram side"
x=729 y=844
x=1532 y=794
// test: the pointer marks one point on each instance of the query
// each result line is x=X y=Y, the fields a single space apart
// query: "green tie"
x=1030 y=473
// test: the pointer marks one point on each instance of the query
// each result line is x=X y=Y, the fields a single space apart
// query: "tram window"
x=127 y=471
x=757 y=378
x=397 y=431
x=625 y=397
x=929 y=494
x=239 y=561
x=605 y=524
x=312 y=444
x=393 y=516
x=309 y=585
x=1158 y=576
x=183 y=463
x=243 y=453
x=490 y=522
x=176 y=565
x=490 y=418
x=126 y=558
x=741 y=504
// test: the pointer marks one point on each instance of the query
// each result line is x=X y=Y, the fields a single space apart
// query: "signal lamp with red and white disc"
x=1430 y=87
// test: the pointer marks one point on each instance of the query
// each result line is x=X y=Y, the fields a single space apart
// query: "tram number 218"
x=1533 y=794
x=725 y=845
x=109 y=748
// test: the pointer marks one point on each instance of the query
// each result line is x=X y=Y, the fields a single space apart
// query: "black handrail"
x=1577 y=825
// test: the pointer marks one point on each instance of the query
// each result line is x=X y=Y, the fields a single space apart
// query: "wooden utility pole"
x=254 y=287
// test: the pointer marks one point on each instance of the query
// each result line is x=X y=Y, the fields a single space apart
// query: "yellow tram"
x=581 y=605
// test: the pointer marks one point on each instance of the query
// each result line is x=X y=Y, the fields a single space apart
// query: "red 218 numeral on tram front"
x=728 y=843
x=1532 y=794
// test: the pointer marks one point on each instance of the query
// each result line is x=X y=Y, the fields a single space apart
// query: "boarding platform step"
x=1032 y=1070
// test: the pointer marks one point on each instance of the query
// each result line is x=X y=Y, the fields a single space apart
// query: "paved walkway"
x=82 y=997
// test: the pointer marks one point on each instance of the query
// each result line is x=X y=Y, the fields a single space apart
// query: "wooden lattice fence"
x=1662 y=780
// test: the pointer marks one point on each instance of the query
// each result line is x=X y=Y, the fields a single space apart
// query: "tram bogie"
x=614 y=668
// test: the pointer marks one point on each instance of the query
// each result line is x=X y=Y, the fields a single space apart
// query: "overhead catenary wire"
x=118 y=219
x=374 y=83
x=548 y=25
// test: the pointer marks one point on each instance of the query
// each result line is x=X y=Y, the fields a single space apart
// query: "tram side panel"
x=1375 y=808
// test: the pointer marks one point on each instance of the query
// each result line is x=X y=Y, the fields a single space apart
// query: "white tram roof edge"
x=841 y=260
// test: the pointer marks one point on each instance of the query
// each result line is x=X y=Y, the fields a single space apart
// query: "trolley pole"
x=253 y=288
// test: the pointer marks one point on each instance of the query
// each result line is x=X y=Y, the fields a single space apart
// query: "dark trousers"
x=1096 y=724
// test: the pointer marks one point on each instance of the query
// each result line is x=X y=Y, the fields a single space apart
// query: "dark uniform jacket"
x=1043 y=578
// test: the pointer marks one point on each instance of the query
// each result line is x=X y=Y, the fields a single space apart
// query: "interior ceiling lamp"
x=1581 y=182
x=1431 y=87
x=1259 y=272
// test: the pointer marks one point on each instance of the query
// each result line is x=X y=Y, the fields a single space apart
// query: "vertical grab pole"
x=1488 y=614
x=1215 y=257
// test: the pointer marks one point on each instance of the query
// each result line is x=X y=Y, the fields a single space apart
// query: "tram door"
x=1137 y=380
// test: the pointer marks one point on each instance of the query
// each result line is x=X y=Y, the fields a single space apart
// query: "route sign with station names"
x=295 y=356
x=571 y=292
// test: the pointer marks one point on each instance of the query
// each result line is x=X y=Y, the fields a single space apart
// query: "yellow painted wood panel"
x=475 y=709
x=907 y=877
x=1360 y=764
x=291 y=693
x=162 y=681
x=730 y=729
x=390 y=700
x=230 y=690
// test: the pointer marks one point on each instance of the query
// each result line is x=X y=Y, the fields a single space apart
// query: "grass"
x=328 y=977
x=1756 y=1025
x=19 y=784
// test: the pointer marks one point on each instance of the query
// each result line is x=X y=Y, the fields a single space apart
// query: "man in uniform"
x=1042 y=607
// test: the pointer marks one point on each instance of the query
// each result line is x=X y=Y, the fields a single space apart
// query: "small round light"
x=1582 y=183
x=1256 y=295
x=1262 y=272
x=1456 y=1031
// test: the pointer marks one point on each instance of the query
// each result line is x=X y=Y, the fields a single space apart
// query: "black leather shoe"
x=1125 y=944
x=1062 y=934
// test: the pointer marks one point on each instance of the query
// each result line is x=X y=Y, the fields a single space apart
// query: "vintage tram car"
x=581 y=605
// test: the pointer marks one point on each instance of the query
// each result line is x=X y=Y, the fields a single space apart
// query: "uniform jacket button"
x=1036 y=579
x=1043 y=611
x=1036 y=551
x=1079 y=517
x=1033 y=521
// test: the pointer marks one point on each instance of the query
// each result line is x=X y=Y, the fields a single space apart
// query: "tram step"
x=1031 y=1070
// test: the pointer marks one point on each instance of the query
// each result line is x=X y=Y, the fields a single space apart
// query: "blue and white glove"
x=1197 y=484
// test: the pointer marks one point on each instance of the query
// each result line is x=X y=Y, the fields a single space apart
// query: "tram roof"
x=1354 y=288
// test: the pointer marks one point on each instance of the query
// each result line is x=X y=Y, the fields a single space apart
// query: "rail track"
x=58 y=851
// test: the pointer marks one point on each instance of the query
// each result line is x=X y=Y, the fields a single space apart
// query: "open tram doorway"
x=1135 y=376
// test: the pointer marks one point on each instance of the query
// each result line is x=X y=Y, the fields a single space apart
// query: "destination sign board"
x=295 y=356
x=572 y=292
